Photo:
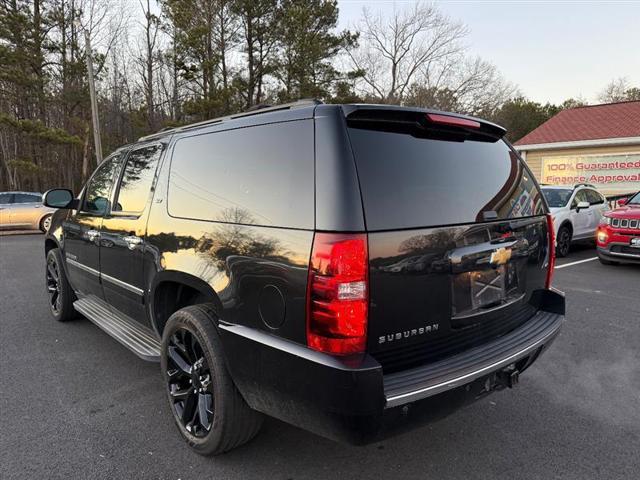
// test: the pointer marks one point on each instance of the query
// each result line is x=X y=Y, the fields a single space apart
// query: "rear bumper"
x=525 y=342
x=350 y=400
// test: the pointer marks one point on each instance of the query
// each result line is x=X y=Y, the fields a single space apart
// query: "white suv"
x=576 y=213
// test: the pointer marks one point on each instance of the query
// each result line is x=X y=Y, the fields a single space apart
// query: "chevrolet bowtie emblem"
x=500 y=256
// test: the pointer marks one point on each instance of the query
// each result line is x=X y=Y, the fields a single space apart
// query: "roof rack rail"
x=589 y=185
x=254 y=110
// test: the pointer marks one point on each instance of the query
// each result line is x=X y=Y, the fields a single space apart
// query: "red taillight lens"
x=337 y=293
x=552 y=251
x=452 y=121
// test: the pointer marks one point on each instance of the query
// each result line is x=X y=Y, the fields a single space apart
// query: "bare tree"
x=466 y=85
x=147 y=59
x=226 y=33
x=395 y=51
x=616 y=91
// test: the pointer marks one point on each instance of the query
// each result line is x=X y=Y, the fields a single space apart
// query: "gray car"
x=24 y=210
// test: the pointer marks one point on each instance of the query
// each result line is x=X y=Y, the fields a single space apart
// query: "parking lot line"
x=575 y=263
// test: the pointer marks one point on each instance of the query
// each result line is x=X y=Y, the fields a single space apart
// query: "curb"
x=7 y=233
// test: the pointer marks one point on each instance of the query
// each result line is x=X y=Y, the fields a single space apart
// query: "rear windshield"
x=410 y=182
x=557 y=197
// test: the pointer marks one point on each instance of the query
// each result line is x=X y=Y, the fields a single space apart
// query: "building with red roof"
x=596 y=144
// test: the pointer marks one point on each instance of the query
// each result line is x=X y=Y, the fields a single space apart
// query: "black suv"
x=350 y=269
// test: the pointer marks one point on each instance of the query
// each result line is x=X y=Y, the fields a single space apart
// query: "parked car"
x=618 y=236
x=24 y=210
x=576 y=212
x=241 y=253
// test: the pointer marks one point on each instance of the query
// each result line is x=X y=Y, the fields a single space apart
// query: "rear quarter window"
x=261 y=175
x=411 y=182
x=594 y=197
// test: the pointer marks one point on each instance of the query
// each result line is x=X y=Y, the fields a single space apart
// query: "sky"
x=551 y=50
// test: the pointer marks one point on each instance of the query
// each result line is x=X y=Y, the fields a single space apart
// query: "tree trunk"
x=251 y=80
x=85 y=155
x=150 y=46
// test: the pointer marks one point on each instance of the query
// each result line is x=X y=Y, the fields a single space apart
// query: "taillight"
x=552 y=251
x=452 y=121
x=337 y=293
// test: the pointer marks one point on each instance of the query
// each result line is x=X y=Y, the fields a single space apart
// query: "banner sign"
x=616 y=172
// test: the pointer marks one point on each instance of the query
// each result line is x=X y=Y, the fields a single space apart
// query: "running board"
x=140 y=340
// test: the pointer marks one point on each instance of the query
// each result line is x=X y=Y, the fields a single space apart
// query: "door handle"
x=92 y=235
x=132 y=241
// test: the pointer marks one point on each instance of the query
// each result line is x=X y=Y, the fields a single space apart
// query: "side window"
x=27 y=198
x=581 y=196
x=594 y=197
x=5 y=198
x=137 y=178
x=260 y=175
x=96 y=199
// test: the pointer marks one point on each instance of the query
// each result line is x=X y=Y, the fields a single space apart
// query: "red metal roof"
x=611 y=120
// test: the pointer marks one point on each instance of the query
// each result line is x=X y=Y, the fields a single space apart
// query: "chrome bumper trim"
x=442 y=383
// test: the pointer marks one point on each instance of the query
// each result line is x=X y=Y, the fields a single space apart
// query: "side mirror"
x=622 y=201
x=59 y=198
x=582 y=206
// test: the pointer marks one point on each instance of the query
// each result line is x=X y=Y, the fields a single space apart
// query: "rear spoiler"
x=422 y=123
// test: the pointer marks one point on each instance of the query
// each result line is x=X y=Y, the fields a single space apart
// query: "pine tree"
x=308 y=45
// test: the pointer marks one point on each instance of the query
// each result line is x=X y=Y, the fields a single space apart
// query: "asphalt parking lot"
x=76 y=404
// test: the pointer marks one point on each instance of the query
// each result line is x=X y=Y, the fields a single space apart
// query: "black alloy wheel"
x=563 y=243
x=189 y=381
x=209 y=411
x=54 y=285
x=60 y=294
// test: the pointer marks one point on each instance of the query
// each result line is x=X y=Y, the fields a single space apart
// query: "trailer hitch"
x=508 y=376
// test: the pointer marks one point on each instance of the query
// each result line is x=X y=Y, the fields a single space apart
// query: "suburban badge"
x=392 y=337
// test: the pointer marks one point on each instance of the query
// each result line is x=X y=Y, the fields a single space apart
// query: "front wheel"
x=563 y=242
x=45 y=223
x=208 y=409
x=61 y=295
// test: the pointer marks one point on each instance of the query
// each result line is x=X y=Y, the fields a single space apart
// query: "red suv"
x=618 y=235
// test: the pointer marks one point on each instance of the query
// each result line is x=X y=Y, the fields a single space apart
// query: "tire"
x=61 y=295
x=45 y=223
x=231 y=422
x=563 y=241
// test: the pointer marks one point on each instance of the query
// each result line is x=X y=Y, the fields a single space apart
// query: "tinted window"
x=258 y=175
x=594 y=197
x=96 y=199
x=27 y=198
x=557 y=197
x=5 y=198
x=137 y=178
x=409 y=182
